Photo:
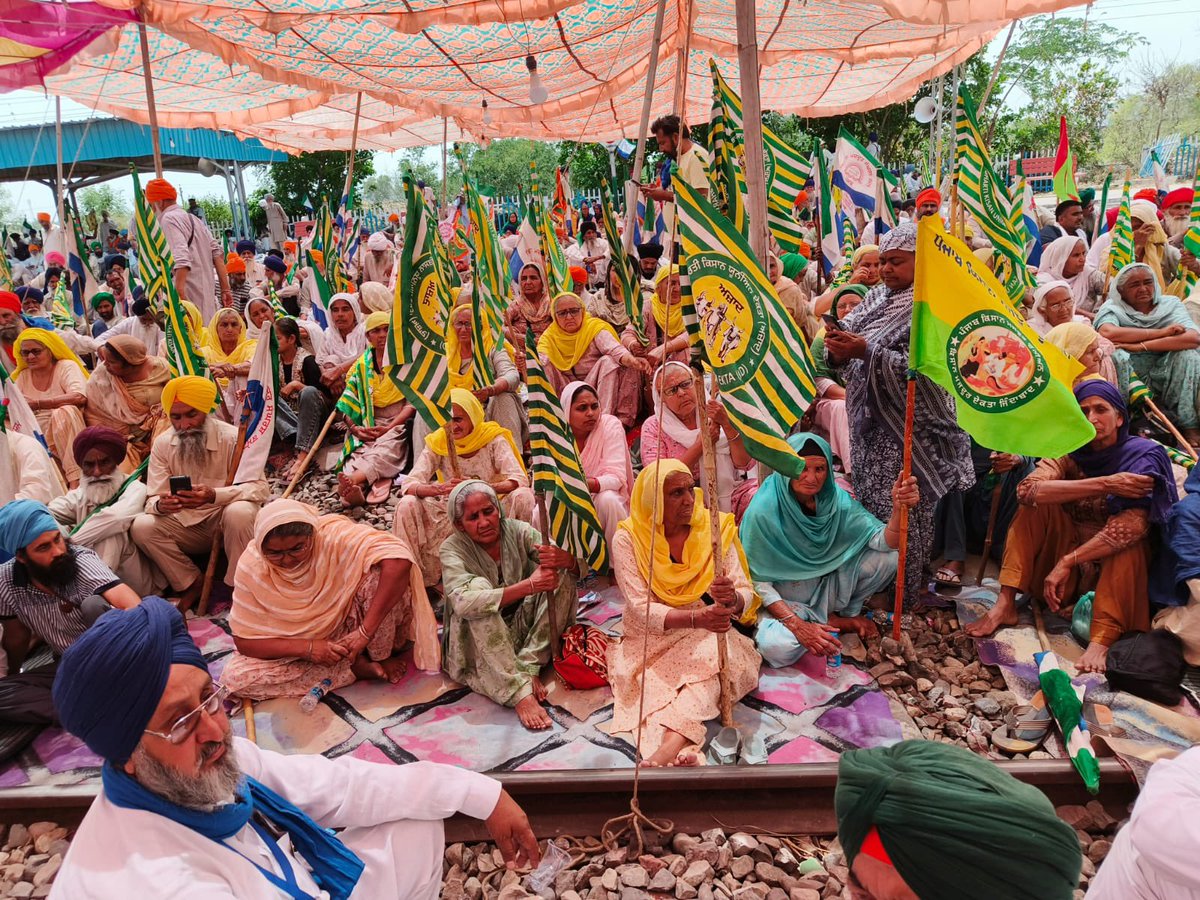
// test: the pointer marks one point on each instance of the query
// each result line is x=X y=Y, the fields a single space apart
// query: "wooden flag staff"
x=910 y=404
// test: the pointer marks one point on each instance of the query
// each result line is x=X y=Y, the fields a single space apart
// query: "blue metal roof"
x=101 y=145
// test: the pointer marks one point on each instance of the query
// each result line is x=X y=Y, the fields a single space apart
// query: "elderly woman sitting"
x=603 y=455
x=485 y=452
x=229 y=351
x=817 y=556
x=675 y=628
x=1081 y=342
x=52 y=378
x=673 y=432
x=320 y=598
x=1053 y=304
x=1065 y=259
x=580 y=347
x=1161 y=343
x=509 y=597
x=1095 y=505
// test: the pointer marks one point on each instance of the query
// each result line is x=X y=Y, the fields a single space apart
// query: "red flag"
x=1064 y=166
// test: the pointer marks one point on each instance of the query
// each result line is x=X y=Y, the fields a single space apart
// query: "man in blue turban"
x=136 y=690
x=50 y=590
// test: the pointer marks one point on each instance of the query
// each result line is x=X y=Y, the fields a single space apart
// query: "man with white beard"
x=99 y=513
x=181 y=520
x=1177 y=210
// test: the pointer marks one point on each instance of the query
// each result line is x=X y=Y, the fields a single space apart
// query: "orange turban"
x=801 y=199
x=194 y=391
x=394 y=217
x=929 y=195
x=318 y=257
x=159 y=189
x=234 y=263
x=291 y=245
x=805 y=250
x=578 y=274
x=44 y=217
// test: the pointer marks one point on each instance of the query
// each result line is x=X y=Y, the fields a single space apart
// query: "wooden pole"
x=683 y=54
x=996 y=68
x=312 y=451
x=445 y=175
x=353 y=149
x=248 y=715
x=639 y=157
x=1171 y=428
x=555 y=634
x=910 y=404
x=993 y=514
x=214 y=551
x=60 y=189
x=150 y=107
x=714 y=517
x=752 y=140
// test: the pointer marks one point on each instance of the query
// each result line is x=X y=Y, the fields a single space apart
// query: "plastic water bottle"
x=310 y=700
x=834 y=661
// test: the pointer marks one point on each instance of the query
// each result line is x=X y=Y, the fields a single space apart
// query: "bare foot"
x=1002 y=614
x=531 y=714
x=668 y=751
x=539 y=689
x=366 y=669
x=860 y=625
x=688 y=758
x=1094 y=659
x=351 y=492
x=394 y=668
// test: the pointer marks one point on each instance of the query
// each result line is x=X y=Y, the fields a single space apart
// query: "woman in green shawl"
x=816 y=555
x=504 y=589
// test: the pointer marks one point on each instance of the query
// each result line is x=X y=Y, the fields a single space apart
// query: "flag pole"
x=910 y=403
x=214 y=552
x=353 y=149
x=308 y=457
x=150 y=107
x=59 y=187
x=639 y=158
x=1171 y=428
x=555 y=636
x=714 y=516
x=752 y=136
x=993 y=515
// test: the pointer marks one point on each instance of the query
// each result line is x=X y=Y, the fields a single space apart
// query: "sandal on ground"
x=723 y=749
x=754 y=751
x=1099 y=719
x=1025 y=728
x=380 y=491
x=947 y=577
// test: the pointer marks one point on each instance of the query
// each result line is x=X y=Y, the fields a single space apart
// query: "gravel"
x=30 y=858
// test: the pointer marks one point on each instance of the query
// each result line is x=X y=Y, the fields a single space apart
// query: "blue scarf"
x=334 y=867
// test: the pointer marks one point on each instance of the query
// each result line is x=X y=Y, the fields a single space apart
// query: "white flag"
x=262 y=389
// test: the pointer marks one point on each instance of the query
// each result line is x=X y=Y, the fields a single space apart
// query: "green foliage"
x=318 y=176
x=216 y=211
x=1169 y=103
x=503 y=167
x=589 y=165
x=100 y=197
x=386 y=191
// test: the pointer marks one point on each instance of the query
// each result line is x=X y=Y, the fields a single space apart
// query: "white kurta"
x=122 y=853
x=26 y=472
x=1154 y=855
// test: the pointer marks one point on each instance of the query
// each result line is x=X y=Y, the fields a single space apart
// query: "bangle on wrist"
x=363 y=632
x=693 y=618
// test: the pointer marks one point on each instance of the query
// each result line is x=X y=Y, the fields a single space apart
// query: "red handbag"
x=583 y=664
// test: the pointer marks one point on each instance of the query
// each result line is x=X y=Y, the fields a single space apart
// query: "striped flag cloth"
x=156 y=266
x=1120 y=252
x=847 y=267
x=1191 y=240
x=627 y=275
x=1101 y=220
x=557 y=269
x=262 y=390
x=276 y=304
x=787 y=169
x=356 y=403
x=856 y=172
x=885 y=213
x=557 y=472
x=415 y=356
x=60 y=307
x=987 y=199
x=16 y=413
x=727 y=181
x=6 y=279
x=83 y=281
x=323 y=295
x=1025 y=216
x=1064 y=698
x=827 y=235
x=761 y=361
x=1064 y=166
x=1160 y=174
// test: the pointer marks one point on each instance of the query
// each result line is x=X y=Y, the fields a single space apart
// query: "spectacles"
x=291 y=553
x=676 y=389
x=186 y=724
x=32 y=351
x=571 y=311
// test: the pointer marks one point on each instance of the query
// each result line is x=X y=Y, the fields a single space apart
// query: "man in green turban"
x=922 y=820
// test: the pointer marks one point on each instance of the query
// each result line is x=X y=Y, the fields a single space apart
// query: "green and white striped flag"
x=787 y=169
x=276 y=304
x=491 y=278
x=627 y=275
x=60 y=307
x=727 y=181
x=1120 y=252
x=847 y=267
x=557 y=471
x=988 y=200
x=415 y=356
x=356 y=402
x=6 y=279
x=759 y=356
x=156 y=268
x=557 y=269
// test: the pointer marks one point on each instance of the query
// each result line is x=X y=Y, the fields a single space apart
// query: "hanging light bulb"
x=487 y=115
x=537 y=91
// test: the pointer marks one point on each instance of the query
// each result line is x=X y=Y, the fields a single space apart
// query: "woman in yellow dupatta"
x=54 y=381
x=666 y=542
x=486 y=452
x=579 y=347
x=227 y=347
x=319 y=597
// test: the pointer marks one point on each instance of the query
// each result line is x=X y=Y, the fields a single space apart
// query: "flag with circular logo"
x=1011 y=390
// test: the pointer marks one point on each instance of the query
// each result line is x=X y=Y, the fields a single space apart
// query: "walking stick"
x=714 y=515
x=308 y=457
x=1171 y=428
x=452 y=451
x=993 y=514
x=910 y=403
x=214 y=552
x=551 y=612
x=248 y=715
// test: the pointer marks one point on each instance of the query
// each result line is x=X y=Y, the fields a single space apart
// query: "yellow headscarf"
x=482 y=433
x=51 y=341
x=242 y=353
x=464 y=380
x=669 y=318
x=677 y=584
x=198 y=393
x=565 y=350
x=195 y=325
x=1072 y=338
x=377 y=319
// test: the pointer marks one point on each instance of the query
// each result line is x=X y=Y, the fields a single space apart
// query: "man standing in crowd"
x=196 y=253
x=276 y=222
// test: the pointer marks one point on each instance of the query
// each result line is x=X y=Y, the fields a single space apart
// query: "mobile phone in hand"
x=180 y=483
x=831 y=322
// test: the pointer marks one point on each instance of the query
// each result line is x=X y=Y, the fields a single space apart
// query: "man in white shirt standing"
x=190 y=812
x=199 y=262
x=690 y=159
x=276 y=222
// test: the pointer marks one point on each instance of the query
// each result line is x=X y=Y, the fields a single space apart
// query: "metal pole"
x=756 y=180
x=151 y=108
x=683 y=54
x=241 y=185
x=445 y=178
x=59 y=187
x=234 y=218
x=354 y=148
x=639 y=157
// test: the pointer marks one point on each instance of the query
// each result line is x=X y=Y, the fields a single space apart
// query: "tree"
x=100 y=197
x=216 y=211
x=503 y=167
x=1169 y=101
x=318 y=176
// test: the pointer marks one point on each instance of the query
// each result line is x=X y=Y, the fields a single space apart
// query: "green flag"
x=1006 y=382
x=491 y=278
x=761 y=362
x=557 y=270
x=1120 y=252
x=356 y=402
x=627 y=274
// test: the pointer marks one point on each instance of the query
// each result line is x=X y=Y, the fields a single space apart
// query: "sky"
x=1169 y=27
